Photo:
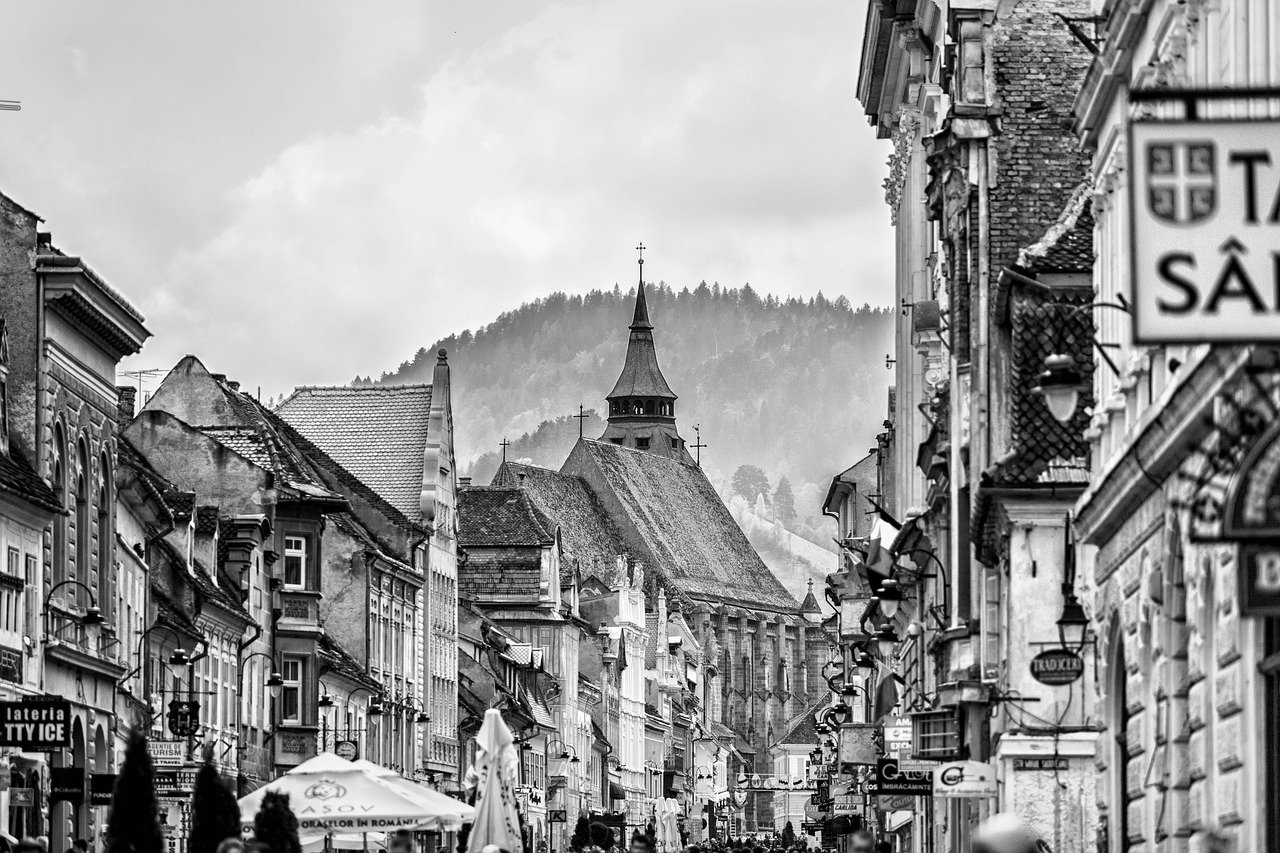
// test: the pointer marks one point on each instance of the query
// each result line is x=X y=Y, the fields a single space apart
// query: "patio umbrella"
x=328 y=794
x=496 y=819
x=448 y=813
x=670 y=830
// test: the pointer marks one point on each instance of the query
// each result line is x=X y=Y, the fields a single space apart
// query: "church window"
x=638 y=408
x=642 y=443
x=675 y=443
x=648 y=407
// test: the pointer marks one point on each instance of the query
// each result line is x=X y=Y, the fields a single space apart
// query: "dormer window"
x=642 y=443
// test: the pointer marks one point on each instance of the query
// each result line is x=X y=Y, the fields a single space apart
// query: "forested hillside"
x=796 y=388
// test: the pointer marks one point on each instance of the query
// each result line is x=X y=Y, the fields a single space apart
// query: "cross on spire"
x=640 y=249
x=697 y=442
x=504 y=444
x=582 y=418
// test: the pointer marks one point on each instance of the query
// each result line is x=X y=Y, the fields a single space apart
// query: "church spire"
x=642 y=406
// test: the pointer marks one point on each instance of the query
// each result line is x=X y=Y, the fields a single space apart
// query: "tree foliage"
x=581 y=838
x=749 y=481
x=215 y=815
x=275 y=824
x=793 y=386
x=784 y=502
x=133 y=825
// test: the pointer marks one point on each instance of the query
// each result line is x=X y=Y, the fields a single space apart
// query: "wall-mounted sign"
x=1057 y=666
x=101 y=786
x=896 y=803
x=1259 y=579
x=1052 y=764
x=166 y=752
x=347 y=749
x=1204 y=208
x=35 y=725
x=22 y=798
x=897 y=737
x=895 y=776
x=964 y=779
x=66 y=783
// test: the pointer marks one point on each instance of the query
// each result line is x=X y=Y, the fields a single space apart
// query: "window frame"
x=294 y=685
x=305 y=552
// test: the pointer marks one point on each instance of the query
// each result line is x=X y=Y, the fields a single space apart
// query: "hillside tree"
x=749 y=481
x=784 y=502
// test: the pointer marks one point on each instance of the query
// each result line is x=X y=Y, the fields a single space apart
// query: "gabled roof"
x=587 y=535
x=1067 y=246
x=801 y=728
x=496 y=516
x=335 y=659
x=675 y=511
x=377 y=432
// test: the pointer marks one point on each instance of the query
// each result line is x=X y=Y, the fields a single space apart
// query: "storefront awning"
x=616 y=792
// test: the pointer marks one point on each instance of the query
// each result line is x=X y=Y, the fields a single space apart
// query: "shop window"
x=291 y=695
x=295 y=561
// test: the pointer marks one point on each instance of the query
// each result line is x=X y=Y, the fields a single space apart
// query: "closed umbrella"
x=669 y=821
x=496 y=820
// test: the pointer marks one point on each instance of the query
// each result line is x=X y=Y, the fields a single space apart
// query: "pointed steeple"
x=642 y=406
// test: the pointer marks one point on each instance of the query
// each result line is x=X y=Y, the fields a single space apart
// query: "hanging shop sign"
x=22 y=798
x=184 y=717
x=964 y=779
x=101 y=786
x=66 y=784
x=1259 y=579
x=857 y=744
x=558 y=816
x=896 y=803
x=347 y=749
x=35 y=725
x=166 y=753
x=897 y=737
x=1057 y=666
x=1204 y=208
x=895 y=776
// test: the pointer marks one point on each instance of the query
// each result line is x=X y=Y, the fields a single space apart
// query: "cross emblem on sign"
x=1182 y=184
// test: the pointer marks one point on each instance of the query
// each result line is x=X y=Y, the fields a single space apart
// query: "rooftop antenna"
x=697 y=442
x=140 y=376
x=582 y=419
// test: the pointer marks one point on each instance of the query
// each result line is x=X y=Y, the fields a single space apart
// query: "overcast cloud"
x=302 y=192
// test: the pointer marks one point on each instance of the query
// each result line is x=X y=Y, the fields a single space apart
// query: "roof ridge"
x=361 y=388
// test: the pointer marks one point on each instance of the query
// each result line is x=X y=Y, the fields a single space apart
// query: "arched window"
x=1118 y=718
x=638 y=408
x=60 y=490
x=84 y=532
x=648 y=407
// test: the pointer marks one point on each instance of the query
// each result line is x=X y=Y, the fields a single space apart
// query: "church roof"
x=683 y=523
x=641 y=376
x=377 y=432
x=587 y=535
x=496 y=516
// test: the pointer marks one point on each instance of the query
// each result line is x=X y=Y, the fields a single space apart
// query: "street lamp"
x=178 y=662
x=1073 y=623
x=886 y=639
x=92 y=616
x=275 y=683
x=890 y=597
x=1060 y=385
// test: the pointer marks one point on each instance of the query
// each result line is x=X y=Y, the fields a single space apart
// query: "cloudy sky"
x=300 y=192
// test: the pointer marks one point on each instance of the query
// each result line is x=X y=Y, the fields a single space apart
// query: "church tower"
x=642 y=406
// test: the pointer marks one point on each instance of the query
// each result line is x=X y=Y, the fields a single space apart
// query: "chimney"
x=464 y=481
x=126 y=402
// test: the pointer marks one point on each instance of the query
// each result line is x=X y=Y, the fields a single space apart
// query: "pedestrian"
x=1007 y=833
x=28 y=845
x=862 y=841
x=80 y=845
x=231 y=845
x=640 y=843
